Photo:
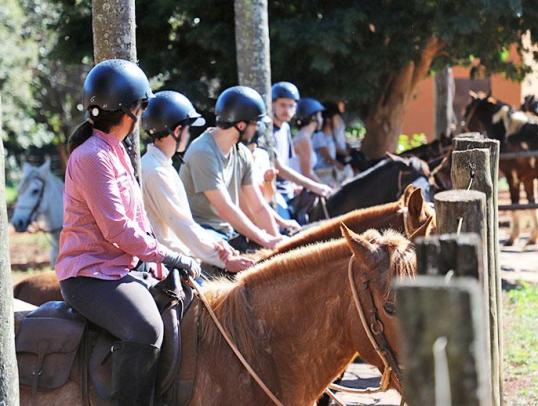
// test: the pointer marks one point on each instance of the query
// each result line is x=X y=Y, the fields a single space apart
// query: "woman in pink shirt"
x=106 y=232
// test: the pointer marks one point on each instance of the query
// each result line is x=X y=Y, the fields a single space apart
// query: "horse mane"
x=229 y=299
x=330 y=229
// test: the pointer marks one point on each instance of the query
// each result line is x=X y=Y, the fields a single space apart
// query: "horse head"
x=420 y=218
x=39 y=194
x=480 y=112
x=377 y=260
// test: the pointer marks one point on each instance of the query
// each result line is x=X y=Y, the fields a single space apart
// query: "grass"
x=11 y=194
x=521 y=345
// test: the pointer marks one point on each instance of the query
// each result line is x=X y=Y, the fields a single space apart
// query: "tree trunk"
x=445 y=90
x=9 y=376
x=114 y=36
x=384 y=122
x=252 y=52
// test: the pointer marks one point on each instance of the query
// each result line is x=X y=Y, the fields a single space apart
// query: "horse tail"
x=79 y=136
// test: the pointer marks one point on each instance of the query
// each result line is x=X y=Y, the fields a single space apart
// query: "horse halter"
x=35 y=207
x=373 y=326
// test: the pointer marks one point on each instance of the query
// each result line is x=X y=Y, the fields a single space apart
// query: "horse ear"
x=406 y=194
x=392 y=157
x=415 y=203
x=473 y=94
x=45 y=168
x=422 y=231
x=360 y=247
x=26 y=167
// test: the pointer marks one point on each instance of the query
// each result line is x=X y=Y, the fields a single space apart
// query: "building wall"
x=420 y=113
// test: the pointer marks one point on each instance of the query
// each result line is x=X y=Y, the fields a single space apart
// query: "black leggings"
x=123 y=307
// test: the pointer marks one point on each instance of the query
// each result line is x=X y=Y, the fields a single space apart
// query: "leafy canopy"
x=345 y=49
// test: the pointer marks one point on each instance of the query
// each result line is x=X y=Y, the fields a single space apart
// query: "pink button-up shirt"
x=105 y=228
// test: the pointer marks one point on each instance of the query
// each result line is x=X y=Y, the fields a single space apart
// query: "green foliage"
x=406 y=142
x=346 y=49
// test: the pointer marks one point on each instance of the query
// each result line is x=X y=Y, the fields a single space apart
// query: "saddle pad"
x=47 y=344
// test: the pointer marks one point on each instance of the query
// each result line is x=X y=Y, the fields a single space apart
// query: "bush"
x=406 y=142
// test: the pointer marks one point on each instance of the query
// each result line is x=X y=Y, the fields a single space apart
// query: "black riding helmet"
x=239 y=103
x=285 y=90
x=166 y=111
x=306 y=108
x=115 y=84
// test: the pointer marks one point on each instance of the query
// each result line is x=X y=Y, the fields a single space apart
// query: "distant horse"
x=516 y=133
x=410 y=215
x=383 y=183
x=294 y=320
x=40 y=197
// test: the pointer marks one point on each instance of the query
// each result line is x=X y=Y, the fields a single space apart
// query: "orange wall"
x=420 y=113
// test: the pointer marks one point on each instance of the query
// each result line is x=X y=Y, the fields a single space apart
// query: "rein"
x=233 y=347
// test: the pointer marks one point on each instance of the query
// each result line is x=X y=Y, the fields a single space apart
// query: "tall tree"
x=114 y=36
x=9 y=377
x=252 y=50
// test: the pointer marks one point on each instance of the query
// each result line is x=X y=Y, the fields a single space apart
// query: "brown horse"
x=297 y=311
x=410 y=214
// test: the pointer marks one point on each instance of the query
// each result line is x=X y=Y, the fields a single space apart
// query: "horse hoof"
x=508 y=243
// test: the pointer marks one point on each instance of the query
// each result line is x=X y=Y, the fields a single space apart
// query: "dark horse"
x=382 y=183
x=516 y=133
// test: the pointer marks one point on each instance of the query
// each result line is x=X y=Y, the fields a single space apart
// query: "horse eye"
x=35 y=191
x=389 y=308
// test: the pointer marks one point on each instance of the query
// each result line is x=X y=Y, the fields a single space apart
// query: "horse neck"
x=312 y=330
x=382 y=216
x=53 y=203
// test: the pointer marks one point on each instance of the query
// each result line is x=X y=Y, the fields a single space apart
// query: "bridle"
x=35 y=207
x=37 y=204
x=373 y=326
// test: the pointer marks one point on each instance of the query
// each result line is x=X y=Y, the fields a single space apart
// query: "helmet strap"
x=241 y=132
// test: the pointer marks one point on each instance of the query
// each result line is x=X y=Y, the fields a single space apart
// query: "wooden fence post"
x=482 y=155
x=443 y=340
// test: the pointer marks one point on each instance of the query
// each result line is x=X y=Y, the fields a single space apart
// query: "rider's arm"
x=230 y=212
x=303 y=149
x=166 y=200
x=292 y=175
x=254 y=204
x=103 y=198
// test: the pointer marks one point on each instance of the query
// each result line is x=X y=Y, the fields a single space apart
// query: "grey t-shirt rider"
x=207 y=168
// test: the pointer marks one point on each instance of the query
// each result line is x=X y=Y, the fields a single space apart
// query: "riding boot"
x=134 y=370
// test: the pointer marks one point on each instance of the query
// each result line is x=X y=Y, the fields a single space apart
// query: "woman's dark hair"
x=104 y=120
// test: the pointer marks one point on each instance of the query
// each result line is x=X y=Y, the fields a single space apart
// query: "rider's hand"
x=183 y=262
x=321 y=190
x=271 y=241
x=238 y=263
x=291 y=225
x=270 y=174
x=225 y=250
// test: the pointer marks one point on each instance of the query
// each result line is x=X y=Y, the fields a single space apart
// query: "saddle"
x=55 y=344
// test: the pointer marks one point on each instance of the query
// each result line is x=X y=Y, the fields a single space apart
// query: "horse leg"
x=529 y=190
x=513 y=185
